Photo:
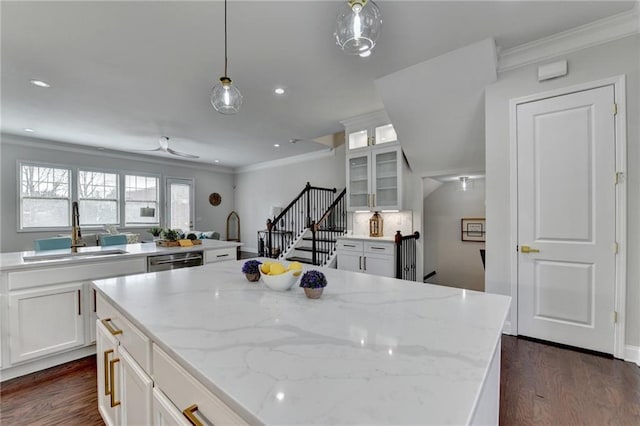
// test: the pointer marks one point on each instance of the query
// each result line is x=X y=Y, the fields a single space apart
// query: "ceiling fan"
x=164 y=147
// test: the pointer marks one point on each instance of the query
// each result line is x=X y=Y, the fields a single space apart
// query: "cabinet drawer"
x=349 y=245
x=134 y=341
x=220 y=255
x=184 y=391
x=374 y=247
x=55 y=275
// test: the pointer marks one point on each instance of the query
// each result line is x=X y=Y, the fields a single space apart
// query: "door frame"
x=618 y=83
x=167 y=199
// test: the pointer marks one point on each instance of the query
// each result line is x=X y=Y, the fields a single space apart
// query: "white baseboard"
x=507 y=328
x=632 y=354
x=41 y=364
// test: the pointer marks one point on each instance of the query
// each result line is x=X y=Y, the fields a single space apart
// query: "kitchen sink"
x=60 y=256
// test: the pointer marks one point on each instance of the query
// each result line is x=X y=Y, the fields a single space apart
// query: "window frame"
x=119 y=196
x=19 y=197
x=159 y=197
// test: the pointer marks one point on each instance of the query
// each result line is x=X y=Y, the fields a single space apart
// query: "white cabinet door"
x=135 y=392
x=386 y=178
x=106 y=353
x=349 y=261
x=45 y=320
x=358 y=181
x=165 y=413
x=379 y=265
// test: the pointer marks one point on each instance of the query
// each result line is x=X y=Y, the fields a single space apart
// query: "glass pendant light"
x=225 y=97
x=358 y=27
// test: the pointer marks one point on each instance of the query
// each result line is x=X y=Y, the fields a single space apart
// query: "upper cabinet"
x=374 y=163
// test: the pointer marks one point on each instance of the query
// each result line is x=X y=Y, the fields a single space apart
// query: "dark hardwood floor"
x=541 y=385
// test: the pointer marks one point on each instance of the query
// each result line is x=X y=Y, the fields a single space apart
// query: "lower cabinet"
x=369 y=257
x=106 y=356
x=165 y=413
x=46 y=320
x=135 y=392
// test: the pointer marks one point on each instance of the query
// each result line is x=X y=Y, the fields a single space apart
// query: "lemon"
x=265 y=267
x=295 y=265
x=276 y=269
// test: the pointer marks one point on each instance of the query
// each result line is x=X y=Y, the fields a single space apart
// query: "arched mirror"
x=233 y=227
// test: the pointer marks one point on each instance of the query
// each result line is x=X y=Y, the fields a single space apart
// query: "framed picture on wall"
x=473 y=229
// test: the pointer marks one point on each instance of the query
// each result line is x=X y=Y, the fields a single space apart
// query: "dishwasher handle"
x=186 y=259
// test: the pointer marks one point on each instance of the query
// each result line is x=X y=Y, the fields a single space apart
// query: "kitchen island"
x=372 y=350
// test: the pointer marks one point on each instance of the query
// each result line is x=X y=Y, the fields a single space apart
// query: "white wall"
x=607 y=60
x=256 y=191
x=13 y=148
x=457 y=263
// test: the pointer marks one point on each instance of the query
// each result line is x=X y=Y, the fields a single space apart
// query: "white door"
x=106 y=352
x=136 y=392
x=180 y=205
x=566 y=210
x=45 y=321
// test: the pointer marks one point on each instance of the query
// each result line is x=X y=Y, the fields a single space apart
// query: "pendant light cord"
x=225 y=38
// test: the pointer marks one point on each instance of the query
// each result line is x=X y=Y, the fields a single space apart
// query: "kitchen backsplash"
x=397 y=221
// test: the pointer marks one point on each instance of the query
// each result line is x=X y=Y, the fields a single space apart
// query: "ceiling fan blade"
x=148 y=150
x=181 y=154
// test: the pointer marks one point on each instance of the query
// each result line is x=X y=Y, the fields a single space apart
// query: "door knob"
x=527 y=249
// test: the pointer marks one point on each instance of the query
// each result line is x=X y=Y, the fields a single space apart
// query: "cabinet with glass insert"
x=374 y=179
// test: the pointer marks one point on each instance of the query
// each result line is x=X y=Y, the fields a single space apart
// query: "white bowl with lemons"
x=278 y=277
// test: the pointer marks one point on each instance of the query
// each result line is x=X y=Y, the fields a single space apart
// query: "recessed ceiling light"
x=29 y=130
x=279 y=91
x=277 y=145
x=39 y=83
x=216 y=161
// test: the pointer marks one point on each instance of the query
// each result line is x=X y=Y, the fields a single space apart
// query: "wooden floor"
x=541 y=385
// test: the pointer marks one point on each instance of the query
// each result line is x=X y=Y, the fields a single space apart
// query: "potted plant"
x=170 y=234
x=313 y=283
x=251 y=270
x=156 y=231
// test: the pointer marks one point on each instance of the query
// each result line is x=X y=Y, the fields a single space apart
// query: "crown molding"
x=592 y=34
x=331 y=152
x=11 y=139
x=366 y=120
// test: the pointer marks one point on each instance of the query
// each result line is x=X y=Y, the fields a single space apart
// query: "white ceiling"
x=124 y=73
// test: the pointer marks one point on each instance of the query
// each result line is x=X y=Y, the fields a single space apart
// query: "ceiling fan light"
x=225 y=97
x=358 y=26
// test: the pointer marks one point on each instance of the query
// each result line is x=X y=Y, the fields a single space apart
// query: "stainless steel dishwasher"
x=166 y=262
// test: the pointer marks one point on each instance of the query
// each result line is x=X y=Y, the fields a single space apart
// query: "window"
x=140 y=192
x=45 y=199
x=98 y=198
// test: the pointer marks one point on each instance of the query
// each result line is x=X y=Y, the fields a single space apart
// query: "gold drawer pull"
x=107 y=391
x=112 y=375
x=107 y=323
x=188 y=413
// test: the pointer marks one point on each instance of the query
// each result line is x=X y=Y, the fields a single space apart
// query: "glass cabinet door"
x=385 y=134
x=358 y=175
x=386 y=179
x=358 y=139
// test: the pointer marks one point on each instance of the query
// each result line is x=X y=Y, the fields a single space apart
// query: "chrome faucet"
x=76 y=233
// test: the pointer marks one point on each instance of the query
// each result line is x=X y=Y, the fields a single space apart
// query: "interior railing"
x=326 y=230
x=406 y=256
x=285 y=228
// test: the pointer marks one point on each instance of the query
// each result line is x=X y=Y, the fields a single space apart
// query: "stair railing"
x=332 y=224
x=406 y=255
x=285 y=228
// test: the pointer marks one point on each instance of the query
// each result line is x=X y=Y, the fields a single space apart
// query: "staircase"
x=306 y=231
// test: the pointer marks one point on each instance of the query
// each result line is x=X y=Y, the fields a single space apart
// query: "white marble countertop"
x=9 y=261
x=367 y=238
x=372 y=350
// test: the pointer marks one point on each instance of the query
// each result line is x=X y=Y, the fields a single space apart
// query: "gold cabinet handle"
x=373 y=203
x=527 y=249
x=188 y=413
x=112 y=375
x=107 y=323
x=107 y=389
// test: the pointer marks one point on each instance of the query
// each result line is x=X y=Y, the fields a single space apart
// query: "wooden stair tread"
x=300 y=259
x=309 y=249
x=321 y=240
